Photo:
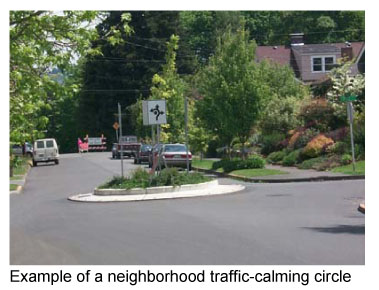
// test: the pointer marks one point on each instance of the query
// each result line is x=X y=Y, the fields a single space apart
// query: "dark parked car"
x=142 y=155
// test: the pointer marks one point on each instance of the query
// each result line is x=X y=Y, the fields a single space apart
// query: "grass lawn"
x=204 y=164
x=13 y=186
x=17 y=178
x=348 y=169
x=257 y=172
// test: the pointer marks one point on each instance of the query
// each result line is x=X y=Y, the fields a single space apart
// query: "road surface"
x=266 y=224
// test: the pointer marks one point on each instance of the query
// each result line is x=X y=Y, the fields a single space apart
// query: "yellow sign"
x=116 y=126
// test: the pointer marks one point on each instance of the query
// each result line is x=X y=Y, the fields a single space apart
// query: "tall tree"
x=232 y=89
x=40 y=42
x=123 y=73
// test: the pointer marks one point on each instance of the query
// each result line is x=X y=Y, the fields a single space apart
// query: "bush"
x=338 y=148
x=346 y=159
x=316 y=146
x=236 y=164
x=339 y=134
x=270 y=142
x=167 y=177
x=277 y=156
x=304 y=137
x=312 y=163
x=292 y=158
x=320 y=114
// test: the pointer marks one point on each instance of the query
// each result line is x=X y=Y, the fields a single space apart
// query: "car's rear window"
x=145 y=148
x=175 y=148
x=49 y=144
x=40 y=144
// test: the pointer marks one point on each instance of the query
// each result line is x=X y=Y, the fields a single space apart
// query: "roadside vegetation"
x=245 y=112
x=19 y=166
x=140 y=178
x=348 y=169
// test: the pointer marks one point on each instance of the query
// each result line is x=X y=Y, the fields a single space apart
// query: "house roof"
x=282 y=54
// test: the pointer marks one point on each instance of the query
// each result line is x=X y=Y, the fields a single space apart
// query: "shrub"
x=270 y=142
x=167 y=177
x=236 y=164
x=359 y=151
x=315 y=147
x=277 y=156
x=292 y=158
x=304 y=137
x=312 y=163
x=346 y=159
x=338 y=148
x=339 y=134
x=320 y=114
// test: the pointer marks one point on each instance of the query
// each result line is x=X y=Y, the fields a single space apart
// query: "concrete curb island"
x=282 y=179
x=153 y=193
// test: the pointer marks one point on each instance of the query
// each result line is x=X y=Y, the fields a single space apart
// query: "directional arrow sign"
x=154 y=112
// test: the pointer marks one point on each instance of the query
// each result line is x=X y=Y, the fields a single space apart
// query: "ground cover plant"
x=140 y=178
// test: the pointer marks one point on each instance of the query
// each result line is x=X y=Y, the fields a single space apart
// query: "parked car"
x=45 y=150
x=174 y=155
x=142 y=155
x=153 y=153
x=127 y=146
x=23 y=150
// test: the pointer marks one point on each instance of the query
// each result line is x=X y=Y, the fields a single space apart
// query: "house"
x=312 y=62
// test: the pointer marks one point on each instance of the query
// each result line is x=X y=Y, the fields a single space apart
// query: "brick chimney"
x=297 y=39
x=347 y=52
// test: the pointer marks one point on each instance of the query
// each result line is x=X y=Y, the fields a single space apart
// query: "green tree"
x=232 y=89
x=169 y=86
x=343 y=83
x=41 y=41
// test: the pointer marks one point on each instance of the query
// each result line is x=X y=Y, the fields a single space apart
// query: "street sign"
x=154 y=112
x=348 y=98
x=116 y=125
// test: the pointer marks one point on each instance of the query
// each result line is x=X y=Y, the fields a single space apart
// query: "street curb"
x=17 y=191
x=155 y=190
x=207 y=189
x=286 y=180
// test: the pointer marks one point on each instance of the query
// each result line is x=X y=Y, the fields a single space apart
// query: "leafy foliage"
x=237 y=164
x=316 y=146
x=227 y=89
x=167 y=177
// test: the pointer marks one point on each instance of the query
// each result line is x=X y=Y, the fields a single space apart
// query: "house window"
x=323 y=63
x=329 y=63
x=317 y=64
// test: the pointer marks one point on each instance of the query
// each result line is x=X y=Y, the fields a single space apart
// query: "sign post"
x=186 y=130
x=122 y=153
x=350 y=113
x=154 y=113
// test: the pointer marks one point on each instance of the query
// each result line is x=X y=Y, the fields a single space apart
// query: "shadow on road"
x=340 y=229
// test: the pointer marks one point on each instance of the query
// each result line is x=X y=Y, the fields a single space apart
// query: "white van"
x=45 y=150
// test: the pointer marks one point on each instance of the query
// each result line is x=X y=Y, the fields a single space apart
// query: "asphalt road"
x=266 y=224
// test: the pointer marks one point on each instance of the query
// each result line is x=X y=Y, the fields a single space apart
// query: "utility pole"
x=350 y=113
x=186 y=129
x=121 y=149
